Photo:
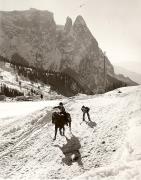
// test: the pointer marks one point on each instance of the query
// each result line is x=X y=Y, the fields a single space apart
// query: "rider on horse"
x=62 y=111
x=61 y=108
x=60 y=119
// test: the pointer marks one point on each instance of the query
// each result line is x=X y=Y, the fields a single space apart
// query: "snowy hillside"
x=107 y=148
x=10 y=78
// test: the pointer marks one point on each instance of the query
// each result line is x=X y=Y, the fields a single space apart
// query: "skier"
x=85 y=110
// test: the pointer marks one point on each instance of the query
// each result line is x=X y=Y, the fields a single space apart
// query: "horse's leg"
x=70 y=125
x=56 y=128
x=60 y=131
x=63 y=131
x=69 y=121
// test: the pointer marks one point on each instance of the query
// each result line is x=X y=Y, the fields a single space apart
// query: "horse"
x=60 y=120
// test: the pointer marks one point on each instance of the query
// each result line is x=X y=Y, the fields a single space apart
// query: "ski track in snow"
x=27 y=149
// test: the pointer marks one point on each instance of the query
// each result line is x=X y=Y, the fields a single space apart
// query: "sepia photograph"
x=70 y=89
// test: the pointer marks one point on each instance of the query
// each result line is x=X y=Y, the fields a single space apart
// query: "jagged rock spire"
x=79 y=20
x=68 y=25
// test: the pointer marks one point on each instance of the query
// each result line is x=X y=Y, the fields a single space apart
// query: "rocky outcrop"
x=81 y=55
x=71 y=48
x=68 y=25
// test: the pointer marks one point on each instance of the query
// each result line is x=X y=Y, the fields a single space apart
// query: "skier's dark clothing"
x=85 y=110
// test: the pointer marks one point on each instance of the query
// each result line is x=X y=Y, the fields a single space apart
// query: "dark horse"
x=60 y=120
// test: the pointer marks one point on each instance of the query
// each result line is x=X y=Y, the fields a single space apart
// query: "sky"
x=116 y=24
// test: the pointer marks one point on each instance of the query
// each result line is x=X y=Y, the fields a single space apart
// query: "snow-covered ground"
x=107 y=148
x=11 y=79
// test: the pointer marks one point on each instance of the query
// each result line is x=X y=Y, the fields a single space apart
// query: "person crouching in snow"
x=85 y=110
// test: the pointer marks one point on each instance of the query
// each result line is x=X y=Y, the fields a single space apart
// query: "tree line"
x=9 y=92
x=58 y=81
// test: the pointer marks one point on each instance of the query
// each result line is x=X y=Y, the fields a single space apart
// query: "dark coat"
x=61 y=108
x=85 y=109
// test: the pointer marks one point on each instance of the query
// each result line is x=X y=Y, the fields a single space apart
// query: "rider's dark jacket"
x=62 y=112
x=61 y=108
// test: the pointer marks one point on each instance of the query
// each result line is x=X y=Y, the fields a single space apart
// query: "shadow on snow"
x=71 y=151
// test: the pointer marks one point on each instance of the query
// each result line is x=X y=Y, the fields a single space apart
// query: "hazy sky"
x=116 y=24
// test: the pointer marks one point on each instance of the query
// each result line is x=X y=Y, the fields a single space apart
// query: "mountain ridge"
x=136 y=77
x=34 y=35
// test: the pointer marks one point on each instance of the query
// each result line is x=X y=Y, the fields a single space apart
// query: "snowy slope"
x=11 y=79
x=128 y=164
x=109 y=148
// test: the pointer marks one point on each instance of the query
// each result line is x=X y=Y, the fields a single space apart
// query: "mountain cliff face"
x=71 y=48
x=32 y=34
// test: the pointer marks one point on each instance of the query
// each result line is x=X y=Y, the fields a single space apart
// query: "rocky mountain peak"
x=79 y=21
x=82 y=31
x=68 y=25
